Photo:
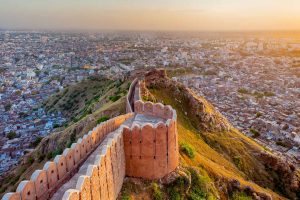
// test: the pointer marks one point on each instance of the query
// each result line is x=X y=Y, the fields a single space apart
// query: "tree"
x=7 y=107
x=11 y=135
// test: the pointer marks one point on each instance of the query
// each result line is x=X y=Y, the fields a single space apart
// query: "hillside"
x=93 y=100
x=217 y=161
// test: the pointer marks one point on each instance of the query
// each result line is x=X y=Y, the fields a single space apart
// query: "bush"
x=240 y=196
x=283 y=144
x=199 y=185
x=258 y=114
x=7 y=107
x=41 y=157
x=102 y=119
x=36 y=142
x=54 y=153
x=30 y=160
x=187 y=150
x=125 y=197
x=269 y=94
x=177 y=189
x=238 y=161
x=56 y=125
x=254 y=132
x=243 y=91
x=258 y=95
x=114 y=98
x=157 y=194
x=72 y=138
x=11 y=135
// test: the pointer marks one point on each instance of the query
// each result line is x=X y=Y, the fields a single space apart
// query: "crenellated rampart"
x=43 y=183
x=142 y=143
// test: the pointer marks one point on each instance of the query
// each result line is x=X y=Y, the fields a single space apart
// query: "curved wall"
x=149 y=151
x=43 y=183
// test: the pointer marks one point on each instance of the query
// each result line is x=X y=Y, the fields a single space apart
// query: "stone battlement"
x=142 y=143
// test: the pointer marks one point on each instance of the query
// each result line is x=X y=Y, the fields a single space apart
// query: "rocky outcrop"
x=288 y=180
x=202 y=114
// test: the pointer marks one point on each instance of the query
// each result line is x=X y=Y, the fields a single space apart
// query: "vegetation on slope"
x=97 y=93
x=231 y=159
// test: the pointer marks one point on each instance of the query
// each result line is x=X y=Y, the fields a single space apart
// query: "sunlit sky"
x=204 y=15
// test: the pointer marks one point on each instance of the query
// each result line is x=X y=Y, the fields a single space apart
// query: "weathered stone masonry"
x=143 y=143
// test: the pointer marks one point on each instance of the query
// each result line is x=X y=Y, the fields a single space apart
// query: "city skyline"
x=193 y=15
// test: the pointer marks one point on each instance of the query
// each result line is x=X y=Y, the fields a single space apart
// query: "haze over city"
x=192 y=15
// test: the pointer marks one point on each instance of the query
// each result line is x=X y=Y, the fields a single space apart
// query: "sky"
x=179 y=15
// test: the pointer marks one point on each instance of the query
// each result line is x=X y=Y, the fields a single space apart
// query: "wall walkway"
x=142 y=143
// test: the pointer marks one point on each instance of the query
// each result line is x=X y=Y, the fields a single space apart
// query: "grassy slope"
x=73 y=101
x=219 y=164
x=62 y=137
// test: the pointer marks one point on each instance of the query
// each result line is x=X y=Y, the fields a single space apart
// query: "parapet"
x=148 y=151
x=151 y=152
x=104 y=178
x=45 y=182
x=155 y=109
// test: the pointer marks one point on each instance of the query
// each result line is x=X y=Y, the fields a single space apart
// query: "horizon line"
x=144 y=30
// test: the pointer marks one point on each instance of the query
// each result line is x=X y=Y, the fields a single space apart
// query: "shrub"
x=283 y=144
x=269 y=94
x=114 y=98
x=238 y=161
x=56 y=125
x=197 y=194
x=125 y=197
x=258 y=95
x=7 y=107
x=30 y=160
x=243 y=91
x=240 y=196
x=173 y=194
x=36 y=142
x=199 y=186
x=54 y=153
x=49 y=155
x=157 y=194
x=11 y=135
x=254 y=132
x=102 y=119
x=177 y=189
x=187 y=150
x=73 y=137
x=258 y=114
x=41 y=157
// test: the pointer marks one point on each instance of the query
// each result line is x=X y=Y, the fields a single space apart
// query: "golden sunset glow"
x=151 y=15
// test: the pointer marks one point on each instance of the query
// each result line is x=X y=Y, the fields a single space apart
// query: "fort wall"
x=43 y=183
x=149 y=151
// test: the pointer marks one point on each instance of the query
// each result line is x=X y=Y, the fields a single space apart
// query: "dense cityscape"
x=254 y=80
